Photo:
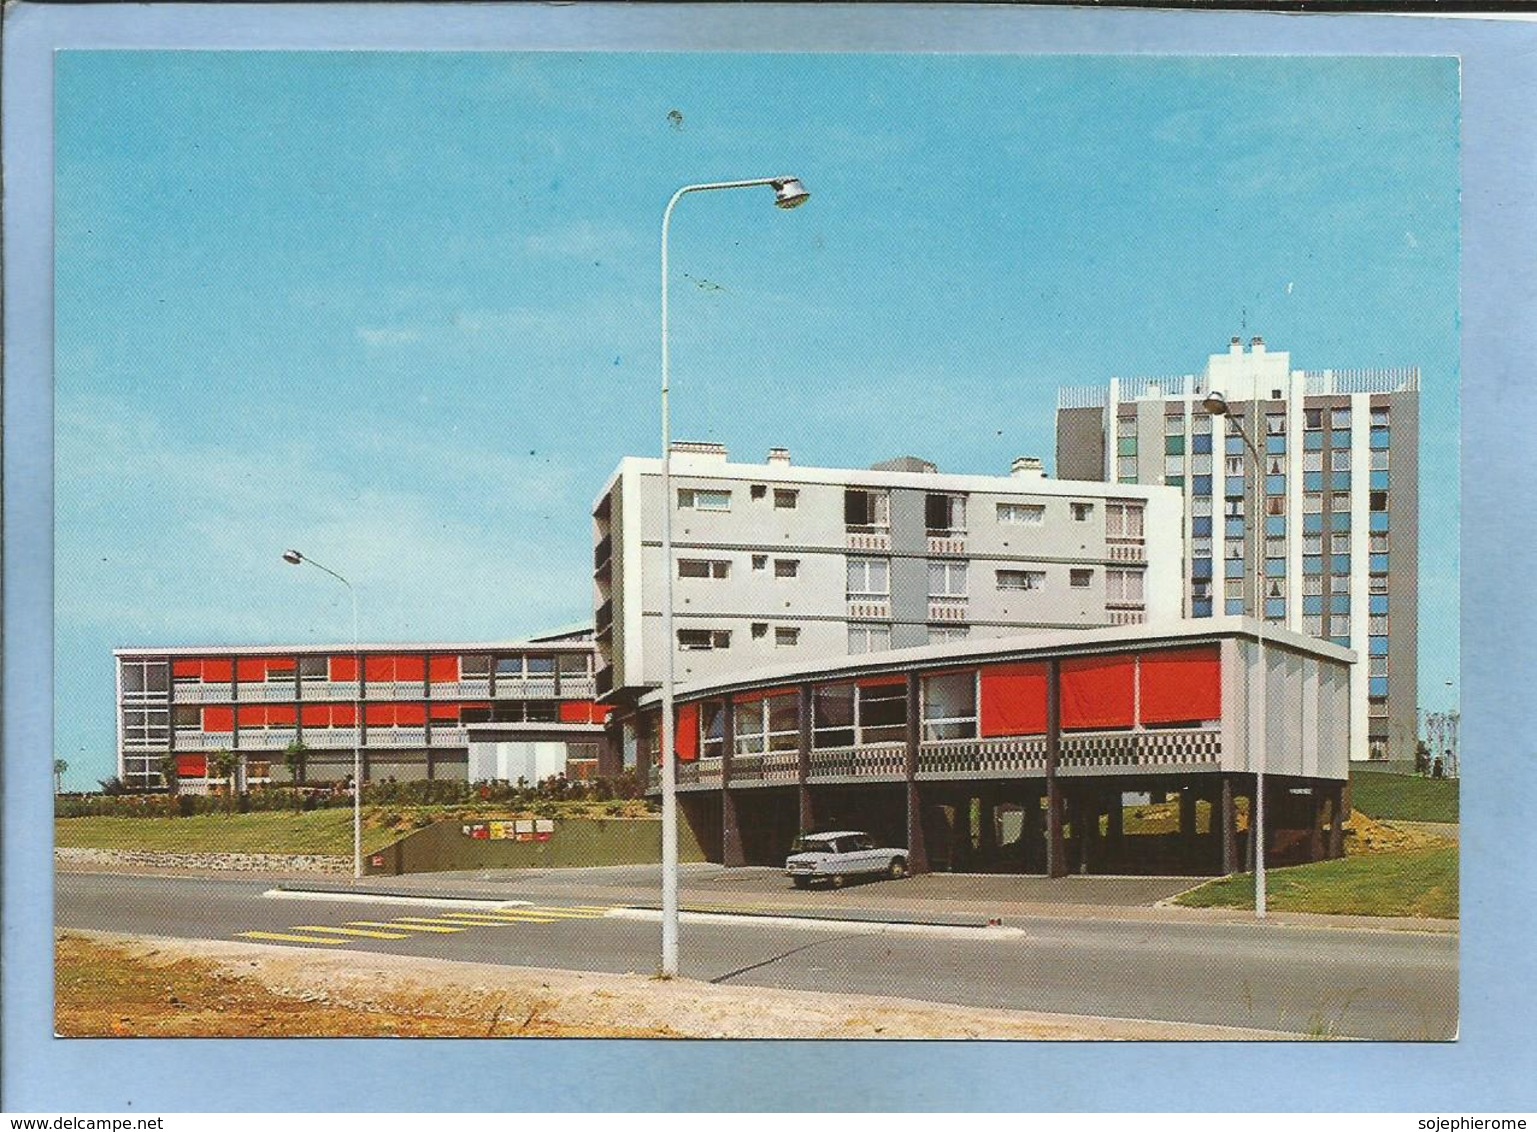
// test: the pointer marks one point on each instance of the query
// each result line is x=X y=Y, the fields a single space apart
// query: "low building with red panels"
x=476 y=712
x=1120 y=750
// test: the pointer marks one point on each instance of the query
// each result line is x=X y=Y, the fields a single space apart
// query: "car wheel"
x=801 y=882
x=898 y=868
x=836 y=880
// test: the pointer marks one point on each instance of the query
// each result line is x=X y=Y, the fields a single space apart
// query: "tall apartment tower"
x=777 y=563
x=1339 y=504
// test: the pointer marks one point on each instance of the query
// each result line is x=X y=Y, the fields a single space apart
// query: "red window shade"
x=1098 y=692
x=217 y=671
x=443 y=669
x=411 y=715
x=448 y=712
x=882 y=681
x=191 y=766
x=315 y=715
x=411 y=668
x=344 y=668
x=578 y=711
x=218 y=719
x=601 y=712
x=379 y=668
x=281 y=714
x=1014 y=700
x=280 y=664
x=186 y=668
x=687 y=737
x=252 y=669
x=766 y=694
x=344 y=715
x=379 y=715
x=1181 y=686
x=254 y=716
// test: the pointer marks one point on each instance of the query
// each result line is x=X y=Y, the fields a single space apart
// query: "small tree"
x=170 y=772
x=294 y=756
x=59 y=767
x=223 y=762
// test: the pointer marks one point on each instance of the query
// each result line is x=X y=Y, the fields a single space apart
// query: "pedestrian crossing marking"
x=504 y=921
x=419 y=922
x=404 y=927
x=558 y=913
x=360 y=934
x=285 y=938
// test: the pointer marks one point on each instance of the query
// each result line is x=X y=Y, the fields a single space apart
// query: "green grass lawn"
x=317 y=831
x=1407 y=797
x=1418 y=882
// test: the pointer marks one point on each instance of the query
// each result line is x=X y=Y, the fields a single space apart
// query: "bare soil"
x=122 y=986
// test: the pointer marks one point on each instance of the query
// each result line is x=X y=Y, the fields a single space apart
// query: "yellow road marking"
x=544 y=913
x=290 y=938
x=424 y=924
x=470 y=918
x=350 y=932
x=405 y=927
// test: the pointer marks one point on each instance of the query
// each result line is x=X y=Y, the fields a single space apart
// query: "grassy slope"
x=1402 y=796
x=318 y=831
x=1419 y=882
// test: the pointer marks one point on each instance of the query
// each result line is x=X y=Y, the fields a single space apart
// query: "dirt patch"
x=1365 y=836
x=120 y=986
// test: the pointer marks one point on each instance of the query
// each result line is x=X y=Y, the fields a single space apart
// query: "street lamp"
x=294 y=558
x=788 y=193
x=1217 y=406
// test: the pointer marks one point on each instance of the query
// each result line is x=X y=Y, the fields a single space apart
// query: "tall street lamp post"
x=788 y=193
x=294 y=558
x=1217 y=406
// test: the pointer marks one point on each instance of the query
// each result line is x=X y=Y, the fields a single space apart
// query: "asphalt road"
x=1318 y=981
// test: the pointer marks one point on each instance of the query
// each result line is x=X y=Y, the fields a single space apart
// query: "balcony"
x=603 y=620
x=450 y=737
x=330 y=738
x=578 y=687
x=603 y=683
x=461 y=690
x=525 y=688
x=395 y=690
x=201 y=694
x=602 y=554
x=269 y=740
x=869 y=608
x=982 y=758
x=1090 y=753
x=874 y=761
x=1126 y=550
x=265 y=693
x=313 y=690
x=1127 y=614
x=203 y=741
x=396 y=737
x=869 y=538
x=947 y=609
x=952 y=541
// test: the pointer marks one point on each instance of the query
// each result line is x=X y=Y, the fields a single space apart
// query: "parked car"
x=834 y=857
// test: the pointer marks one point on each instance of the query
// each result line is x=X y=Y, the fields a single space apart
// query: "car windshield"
x=812 y=845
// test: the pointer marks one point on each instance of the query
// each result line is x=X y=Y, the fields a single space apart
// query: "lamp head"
x=1215 y=404
x=790 y=193
x=292 y=557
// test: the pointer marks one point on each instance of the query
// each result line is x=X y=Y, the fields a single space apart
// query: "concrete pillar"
x=987 y=830
x=917 y=848
x=1225 y=815
x=1115 y=830
x=1318 y=800
x=803 y=768
x=1337 y=821
x=1187 y=839
x=1086 y=828
x=1056 y=850
x=731 y=853
x=1030 y=833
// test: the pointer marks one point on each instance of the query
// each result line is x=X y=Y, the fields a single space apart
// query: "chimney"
x=1257 y=344
x=1235 y=346
x=779 y=457
x=1028 y=467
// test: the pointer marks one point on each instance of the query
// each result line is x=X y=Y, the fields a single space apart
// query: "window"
x=703 y=567
x=1339 y=583
x=1201 y=423
x=313 y=667
x=1201 y=444
x=473 y=668
x=1126 y=469
x=869 y=577
x=1126 y=426
x=1313 y=418
x=758 y=490
x=1379 y=416
x=712 y=729
x=1382 y=439
x=1379 y=460
x=1339 y=418
x=1340 y=439
x=1022 y=514
x=1377 y=543
x=188 y=718
x=1173 y=423
x=1126 y=446
x=1313 y=544
x=1082 y=512
x=1275 y=424
x=1339 y=627
x=1339 y=460
x=869 y=638
x=1233 y=465
x=1377 y=666
x=944 y=514
x=944 y=634
x=1200 y=485
x=1275 y=485
x=1080 y=579
x=1123 y=520
x=1234 y=487
x=539 y=665
x=1201 y=462
x=771 y=723
x=883 y=713
x=950 y=706
x=759 y=630
x=866 y=509
x=786 y=637
x=1378 y=501
x=509 y=666
x=1021 y=579
x=947 y=579
x=700 y=499
x=1122 y=586
x=787 y=567
x=760 y=561
x=785 y=498
x=832 y=716
x=703 y=640
x=1174 y=445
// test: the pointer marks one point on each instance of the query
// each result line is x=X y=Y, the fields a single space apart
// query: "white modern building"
x=777 y=563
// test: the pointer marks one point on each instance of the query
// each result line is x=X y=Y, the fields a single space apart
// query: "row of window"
x=863 y=636
x=153 y=675
x=871 y=577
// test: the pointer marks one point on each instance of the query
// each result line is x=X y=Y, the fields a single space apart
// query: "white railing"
x=1127 y=615
x=578 y=687
x=201 y=694
x=537 y=688
x=1024 y=754
x=869 y=608
x=450 y=737
x=330 y=738
x=952 y=543
x=1402 y=379
x=1126 y=550
x=1082 y=397
x=265 y=693
x=313 y=690
x=947 y=609
x=397 y=737
x=394 y=690
x=204 y=740
x=461 y=690
x=266 y=740
x=878 y=760
x=869 y=538
x=1139 y=749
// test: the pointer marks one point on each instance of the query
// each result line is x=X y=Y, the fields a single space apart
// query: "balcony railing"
x=1127 y=614
x=982 y=758
x=1092 y=751
x=203 y=741
x=450 y=737
x=602 y=552
x=578 y=687
x=604 y=618
x=603 y=683
x=947 y=542
x=265 y=693
x=869 y=538
x=461 y=690
x=878 y=760
x=330 y=738
x=269 y=740
x=397 y=737
x=525 y=688
x=201 y=694
x=863 y=608
x=313 y=690
x=1126 y=550
x=947 y=608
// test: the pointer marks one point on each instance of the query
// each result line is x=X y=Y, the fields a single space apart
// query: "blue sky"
x=400 y=310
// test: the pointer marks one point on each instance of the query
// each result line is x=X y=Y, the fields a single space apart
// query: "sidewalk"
x=946 y=899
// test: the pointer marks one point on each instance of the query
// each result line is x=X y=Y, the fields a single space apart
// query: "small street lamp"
x=1216 y=404
x=788 y=193
x=294 y=558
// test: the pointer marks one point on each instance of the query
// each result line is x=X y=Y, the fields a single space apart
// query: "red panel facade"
x=251 y=669
x=192 y=766
x=443 y=669
x=344 y=715
x=1099 y=692
x=187 y=668
x=411 y=715
x=687 y=737
x=217 y=671
x=219 y=719
x=379 y=669
x=379 y=715
x=1181 y=686
x=315 y=715
x=1013 y=700
x=408 y=668
x=252 y=715
x=281 y=715
x=445 y=713
x=344 y=668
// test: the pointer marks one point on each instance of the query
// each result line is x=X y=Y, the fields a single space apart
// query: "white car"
x=834 y=857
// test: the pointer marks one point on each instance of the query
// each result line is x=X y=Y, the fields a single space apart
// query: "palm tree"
x=59 y=767
x=222 y=763
x=169 y=772
x=294 y=756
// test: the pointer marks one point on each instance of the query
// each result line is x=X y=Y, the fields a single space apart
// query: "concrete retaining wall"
x=574 y=843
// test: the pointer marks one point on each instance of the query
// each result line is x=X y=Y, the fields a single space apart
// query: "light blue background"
x=1487 y=1069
